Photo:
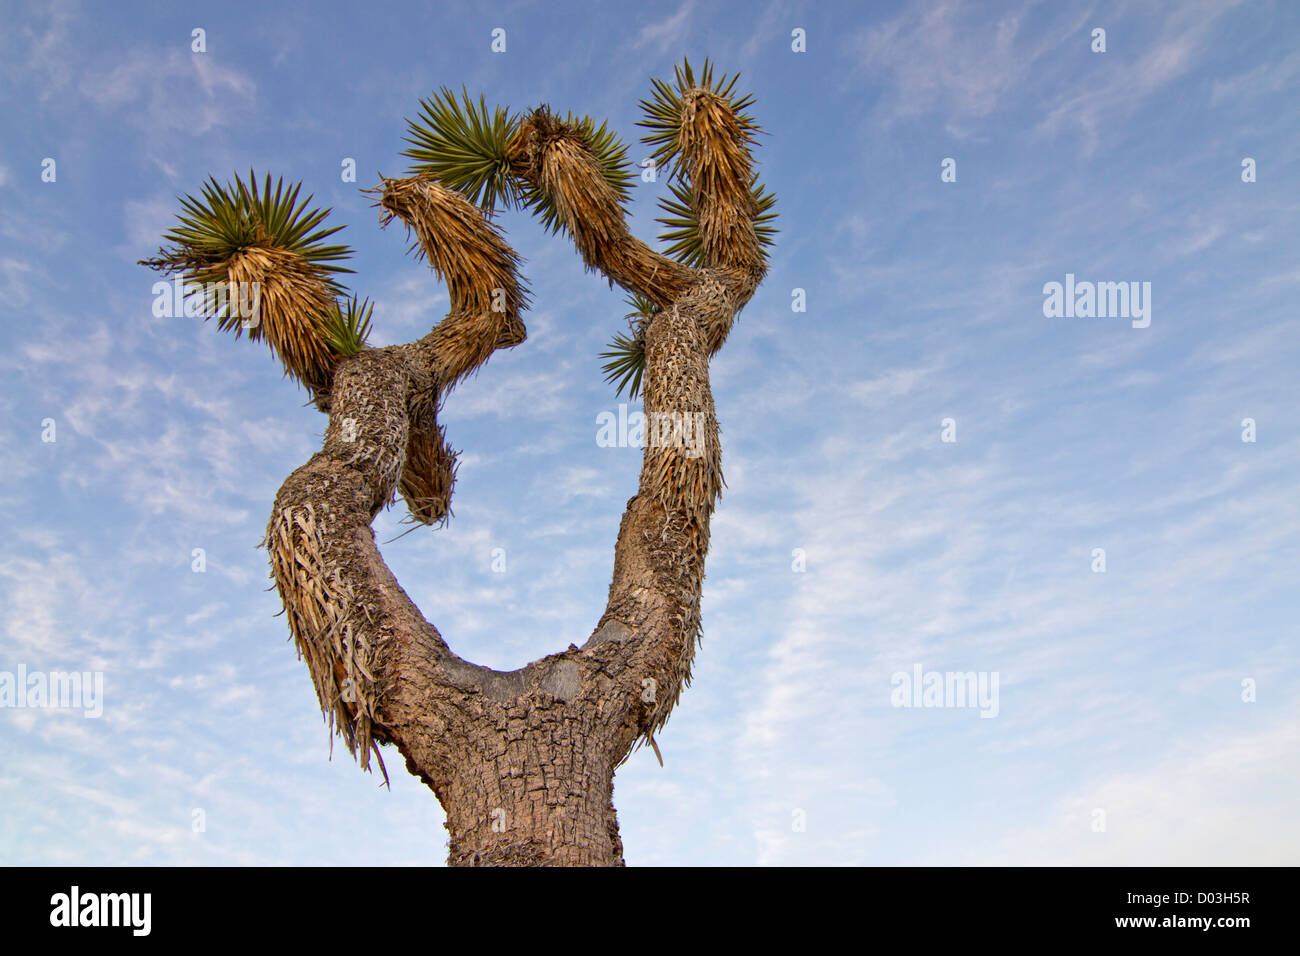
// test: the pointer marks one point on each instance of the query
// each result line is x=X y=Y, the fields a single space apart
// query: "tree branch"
x=551 y=156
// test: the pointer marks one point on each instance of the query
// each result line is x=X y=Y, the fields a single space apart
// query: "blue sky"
x=1119 y=691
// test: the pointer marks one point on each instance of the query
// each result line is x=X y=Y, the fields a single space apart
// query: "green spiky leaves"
x=266 y=250
x=626 y=363
x=227 y=220
x=683 y=230
x=626 y=353
x=463 y=146
x=663 y=112
x=345 y=327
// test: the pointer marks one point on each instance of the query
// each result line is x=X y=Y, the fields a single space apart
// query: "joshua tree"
x=523 y=762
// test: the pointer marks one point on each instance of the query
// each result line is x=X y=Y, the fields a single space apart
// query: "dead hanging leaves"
x=322 y=613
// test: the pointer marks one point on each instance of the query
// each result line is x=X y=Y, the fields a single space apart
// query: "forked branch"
x=381 y=671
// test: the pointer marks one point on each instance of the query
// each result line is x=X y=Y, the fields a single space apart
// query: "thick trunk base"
x=530 y=806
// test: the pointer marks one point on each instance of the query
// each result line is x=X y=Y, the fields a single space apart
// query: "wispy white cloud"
x=1179 y=39
x=171 y=91
x=668 y=33
x=1266 y=79
x=47 y=53
x=773 y=26
x=1221 y=800
x=950 y=57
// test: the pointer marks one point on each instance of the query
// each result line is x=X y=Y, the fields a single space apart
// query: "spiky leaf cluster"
x=465 y=146
x=227 y=220
x=663 y=112
x=240 y=234
x=626 y=353
x=345 y=327
x=683 y=232
x=462 y=145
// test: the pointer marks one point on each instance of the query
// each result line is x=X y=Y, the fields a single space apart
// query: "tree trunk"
x=522 y=761
x=535 y=791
